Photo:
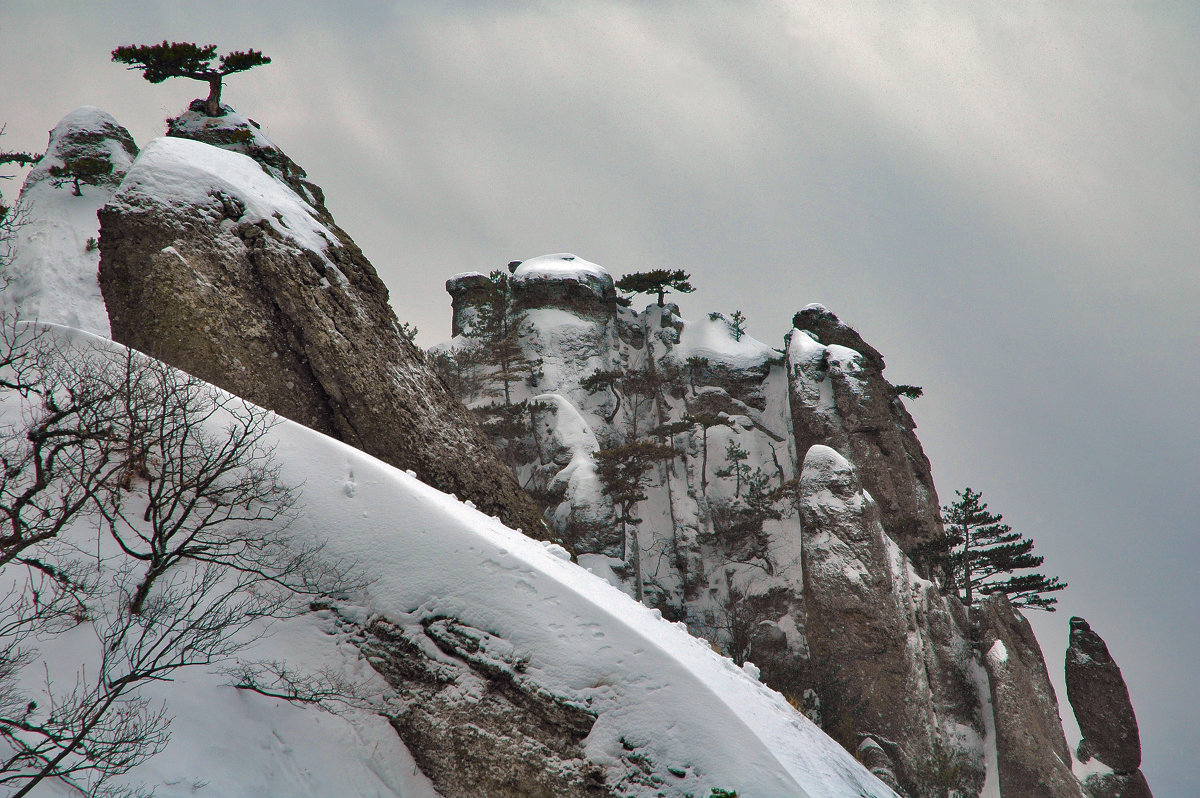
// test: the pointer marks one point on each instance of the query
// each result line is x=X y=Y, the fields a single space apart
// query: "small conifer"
x=158 y=62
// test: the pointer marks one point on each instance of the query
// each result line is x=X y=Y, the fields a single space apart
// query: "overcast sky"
x=1003 y=198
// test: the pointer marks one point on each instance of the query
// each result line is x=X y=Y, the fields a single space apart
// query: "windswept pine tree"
x=657 y=281
x=158 y=62
x=982 y=553
x=87 y=170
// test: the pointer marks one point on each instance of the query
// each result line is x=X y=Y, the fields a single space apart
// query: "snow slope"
x=647 y=680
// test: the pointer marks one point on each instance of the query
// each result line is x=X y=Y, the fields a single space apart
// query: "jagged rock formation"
x=859 y=593
x=53 y=273
x=866 y=420
x=467 y=747
x=779 y=529
x=719 y=540
x=212 y=263
x=1100 y=700
x=1033 y=756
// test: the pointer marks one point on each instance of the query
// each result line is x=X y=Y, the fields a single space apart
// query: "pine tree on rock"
x=158 y=62
x=736 y=457
x=623 y=471
x=497 y=329
x=90 y=170
x=737 y=325
x=983 y=552
x=656 y=281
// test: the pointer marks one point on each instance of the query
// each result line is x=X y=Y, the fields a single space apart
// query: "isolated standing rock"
x=1100 y=700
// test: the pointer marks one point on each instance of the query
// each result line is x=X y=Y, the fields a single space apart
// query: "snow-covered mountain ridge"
x=653 y=700
x=776 y=530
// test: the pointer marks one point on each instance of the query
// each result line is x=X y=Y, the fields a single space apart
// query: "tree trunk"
x=212 y=106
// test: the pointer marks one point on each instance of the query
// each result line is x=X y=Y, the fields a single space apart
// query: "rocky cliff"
x=219 y=258
x=774 y=518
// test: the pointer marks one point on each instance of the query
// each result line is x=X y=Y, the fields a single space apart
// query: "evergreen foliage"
x=909 y=391
x=497 y=331
x=158 y=62
x=943 y=774
x=656 y=281
x=736 y=458
x=981 y=553
x=89 y=170
x=623 y=471
x=737 y=324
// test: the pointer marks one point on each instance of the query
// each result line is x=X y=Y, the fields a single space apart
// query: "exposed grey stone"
x=474 y=724
x=876 y=760
x=310 y=335
x=467 y=292
x=1034 y=760
x=857 y=597
x=868 y=424
x=1100 y=700
x=584 y=294
x=1118 y=785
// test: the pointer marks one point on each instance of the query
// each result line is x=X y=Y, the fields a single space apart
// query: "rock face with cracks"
x=1034 y=759
x=871 y=426
x=213 y=263
x=861 y=616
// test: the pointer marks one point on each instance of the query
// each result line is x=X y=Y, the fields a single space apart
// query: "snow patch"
x=998 y=653
x=712 y=339
x=174 y=171
x=559 y=266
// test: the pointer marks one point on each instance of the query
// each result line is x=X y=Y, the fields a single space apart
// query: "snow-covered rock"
x=865 y=610
x=53 y=274
x=719 y=543
x=506 y=670
x=215 y=264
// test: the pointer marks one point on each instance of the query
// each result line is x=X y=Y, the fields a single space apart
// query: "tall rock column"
x=862 y=602
x=1034 y=759
x=1100 y=700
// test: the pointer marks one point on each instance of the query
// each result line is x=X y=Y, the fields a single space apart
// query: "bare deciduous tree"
x=187 y=563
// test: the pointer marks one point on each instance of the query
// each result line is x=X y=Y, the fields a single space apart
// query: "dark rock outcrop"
x=467 y=292
x=584 y=292
x=1118 y=785
x=863 y=607
x=210 y=263
x=1100 y=700
x=473 y=723
x=827 y=605
x=867 y=422
x=1034 y=759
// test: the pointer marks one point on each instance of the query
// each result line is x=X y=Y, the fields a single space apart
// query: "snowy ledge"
x=178 y=172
